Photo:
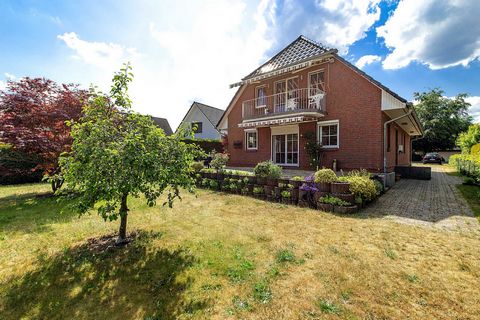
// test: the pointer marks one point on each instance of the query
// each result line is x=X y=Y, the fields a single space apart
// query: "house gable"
x=206 y=115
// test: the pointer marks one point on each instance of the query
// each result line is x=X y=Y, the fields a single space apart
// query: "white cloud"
x=439 y=34
x=10 y=76
x=3 y=85
x=100 y=54
x=474 y=110
x=366 y=60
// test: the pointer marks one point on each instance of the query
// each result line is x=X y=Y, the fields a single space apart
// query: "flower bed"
x=322 y=191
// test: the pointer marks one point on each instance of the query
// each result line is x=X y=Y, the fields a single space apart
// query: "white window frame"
x=320 y=124
x=284 y=130
x=316 y=71
x=264 y=97
x=247 y=131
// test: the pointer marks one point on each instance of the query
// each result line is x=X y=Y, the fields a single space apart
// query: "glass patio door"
x=285 y=149
x=286 y=91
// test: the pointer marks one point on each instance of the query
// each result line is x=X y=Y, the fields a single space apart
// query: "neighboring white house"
x=203 y=119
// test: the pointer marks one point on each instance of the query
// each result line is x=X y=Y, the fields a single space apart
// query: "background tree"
x=33 y=112
x=117 y=153
x=443 y=119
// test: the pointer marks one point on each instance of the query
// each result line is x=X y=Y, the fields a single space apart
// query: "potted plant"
x=205 y=182
x=294 y=193
x=213 y=184
x=245 y=191
x=286 y=196
x=306 y=193
x=325 y=204
x=258 y=192
x=340 y=187
x=219 y=161
x=267 y=173
x=324 y=178
x=297 y=181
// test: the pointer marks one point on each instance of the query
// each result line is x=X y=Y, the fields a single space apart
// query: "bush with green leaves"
x=333 y=200
x=117 y=153
x=359 y=173
x=379 y=187
x=258 y=190
x=268 y=169
x=361 y=187
x=286 y=194
x=325 y=176
x=197 y=166
x=219 y=161
x=213 y=184
x=298 y=178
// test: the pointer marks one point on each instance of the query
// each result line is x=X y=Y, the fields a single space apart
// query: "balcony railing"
x=291 y=102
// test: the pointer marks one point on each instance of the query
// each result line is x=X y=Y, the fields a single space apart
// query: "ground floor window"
x=251 y=139
x=328 y=134
x=285 y=149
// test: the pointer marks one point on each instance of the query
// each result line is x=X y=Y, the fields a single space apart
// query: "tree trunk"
x=122 y=232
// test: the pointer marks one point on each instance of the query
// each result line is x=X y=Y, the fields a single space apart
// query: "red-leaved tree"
x=33 y=112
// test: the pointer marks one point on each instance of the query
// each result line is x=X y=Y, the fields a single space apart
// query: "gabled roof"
x=212 y=114
x=162 y=123
x=301 y=49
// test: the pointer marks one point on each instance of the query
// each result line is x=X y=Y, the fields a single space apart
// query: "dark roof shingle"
x=162 y=123
x=212 y=114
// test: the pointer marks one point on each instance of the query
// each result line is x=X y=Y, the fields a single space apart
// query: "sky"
x=185 y=51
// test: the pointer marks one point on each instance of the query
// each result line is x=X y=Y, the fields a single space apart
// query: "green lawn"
x=221 y=256
x=471 y=193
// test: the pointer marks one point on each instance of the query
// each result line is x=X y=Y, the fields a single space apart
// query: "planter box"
x=272 y=182
x=340 y=187
x=261 y=180
x=259 y=196
x=295 y=194
x=296 y=184
x=324 y=187
x=277 y=191
x=345 y=210
x=268 y=190
x=220 y=176
x=318 y=195
x=251 y=179
x=303 y=204
x=286 y=201
x=284 y=181
x=350 y=198
x=327 y=207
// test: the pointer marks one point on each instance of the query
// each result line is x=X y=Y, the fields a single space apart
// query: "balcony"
x=305 y=101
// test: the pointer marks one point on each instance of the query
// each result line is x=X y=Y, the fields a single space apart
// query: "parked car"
x=432 y=157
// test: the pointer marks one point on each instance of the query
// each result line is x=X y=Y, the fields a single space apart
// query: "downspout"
x=385 y=144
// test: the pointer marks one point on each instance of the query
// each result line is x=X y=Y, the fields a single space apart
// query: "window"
x=316 y=81
x=328 y=134
x=285 y=149
x=251 y=140
x=261 y=100
x=197 y=127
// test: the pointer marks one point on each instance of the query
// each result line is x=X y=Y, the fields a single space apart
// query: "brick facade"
x=352 y=100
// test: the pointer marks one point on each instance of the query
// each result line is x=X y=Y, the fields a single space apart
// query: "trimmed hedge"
x=207 y=145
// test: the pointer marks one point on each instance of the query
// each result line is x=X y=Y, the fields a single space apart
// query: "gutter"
x=385 y=143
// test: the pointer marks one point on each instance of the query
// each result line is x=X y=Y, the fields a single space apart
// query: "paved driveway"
x=436 y=202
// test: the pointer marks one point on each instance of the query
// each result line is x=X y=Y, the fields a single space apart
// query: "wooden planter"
x=350 y=198
x=327 y=207
x=324 y=187
x=345 y=210
x=261 y=180
x=318 y=195
x=251 y=179
x=259 y=196
x=277 y=191
x=295 y=195
x=340 y=187
x=268 y=190
x=272 y=182
x=296 y=184
x=286 y=201
x=303 y=204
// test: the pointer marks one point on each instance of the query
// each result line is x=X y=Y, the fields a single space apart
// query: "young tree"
x=117 y=153
x=32 y=119
x=443 y=119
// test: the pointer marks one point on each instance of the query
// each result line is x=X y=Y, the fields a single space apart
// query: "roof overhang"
x=312 y=61
x=395 y=108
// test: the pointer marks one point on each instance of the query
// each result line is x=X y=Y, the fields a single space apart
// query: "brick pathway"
x=436 y=202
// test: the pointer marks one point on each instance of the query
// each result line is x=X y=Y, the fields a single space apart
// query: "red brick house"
x=308 y=89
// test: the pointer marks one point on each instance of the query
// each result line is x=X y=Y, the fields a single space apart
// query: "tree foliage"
x=443 y=119
x=466 y=140
x=118 y=153
x=33 y=112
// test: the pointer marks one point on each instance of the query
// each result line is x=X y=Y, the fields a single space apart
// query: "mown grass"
x=224 y=256
x=471 y=193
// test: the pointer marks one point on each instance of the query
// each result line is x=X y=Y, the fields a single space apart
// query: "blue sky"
x=183 y=51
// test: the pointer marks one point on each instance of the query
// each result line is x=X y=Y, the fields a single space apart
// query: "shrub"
x=297 y=178
x=359 y=173
x=379 y=187
x=286 y=194
x=333 y=200
x=452 y=160
x=362 y=187
x=219 y=160
x=213 y=184
x=267 y=169
x=325 y=176
x=258 y=190
x=197 y=166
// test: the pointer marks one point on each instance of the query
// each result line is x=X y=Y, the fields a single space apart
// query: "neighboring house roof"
x=299 y=50
x=162 y=123
x=212 y=114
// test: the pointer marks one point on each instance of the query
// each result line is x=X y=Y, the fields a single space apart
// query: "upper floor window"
x=316 y=81
x=261 y=100
x=328 y=134
x=197 y=127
